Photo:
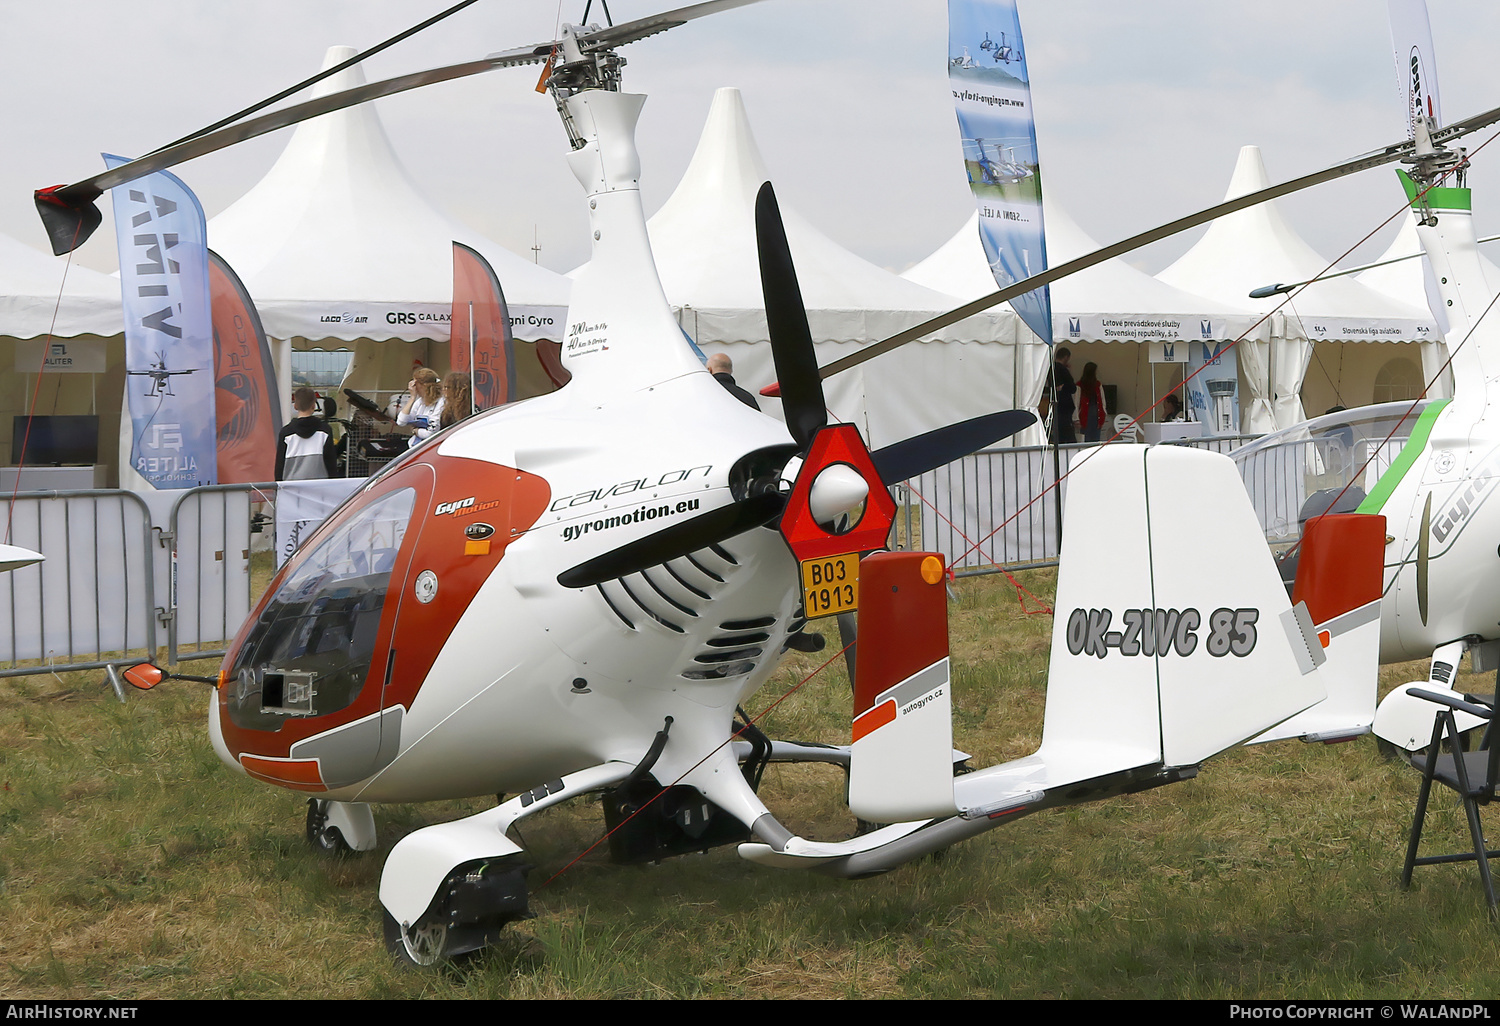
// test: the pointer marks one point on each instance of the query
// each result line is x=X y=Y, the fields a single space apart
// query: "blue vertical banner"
x=992 y=97
x=169 y=357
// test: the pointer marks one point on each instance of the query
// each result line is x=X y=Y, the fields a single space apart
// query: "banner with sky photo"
x=992 y=97
x=169 y=358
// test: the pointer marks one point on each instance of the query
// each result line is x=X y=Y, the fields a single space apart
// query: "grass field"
x=133 y=865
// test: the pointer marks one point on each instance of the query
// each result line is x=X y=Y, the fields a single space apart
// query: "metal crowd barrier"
x=211 y=531
x=995 y=510
x=93 y=600
x=116 y=585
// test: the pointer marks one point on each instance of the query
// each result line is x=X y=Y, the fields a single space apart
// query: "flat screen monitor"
x=55 y=440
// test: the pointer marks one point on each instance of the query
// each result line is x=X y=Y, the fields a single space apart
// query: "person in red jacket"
x=1091 y=411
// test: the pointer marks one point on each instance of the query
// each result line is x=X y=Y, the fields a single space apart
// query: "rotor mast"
x=576 y=71
x=621 y=333
x=1442 y=206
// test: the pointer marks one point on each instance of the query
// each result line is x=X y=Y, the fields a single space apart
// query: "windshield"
x=1328 y=464
x=311 y=650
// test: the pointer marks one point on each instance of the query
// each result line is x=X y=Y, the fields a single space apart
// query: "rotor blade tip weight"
x=69 y=223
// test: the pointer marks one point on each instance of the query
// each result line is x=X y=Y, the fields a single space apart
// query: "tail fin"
x=901 y=761
x=1175 y=638
x=1339 y=579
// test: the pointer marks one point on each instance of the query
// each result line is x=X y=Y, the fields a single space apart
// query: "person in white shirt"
x=424 y=408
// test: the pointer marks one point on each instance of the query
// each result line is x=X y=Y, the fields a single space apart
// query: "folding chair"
x=1473 y=775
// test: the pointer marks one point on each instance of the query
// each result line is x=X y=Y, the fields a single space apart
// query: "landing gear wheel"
x=468 y=912
x=324 y=838
x=423 y=946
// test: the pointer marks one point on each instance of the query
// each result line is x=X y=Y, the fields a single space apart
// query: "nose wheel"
x=322 y=835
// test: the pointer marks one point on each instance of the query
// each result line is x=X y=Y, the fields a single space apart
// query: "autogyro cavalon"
x=574 y=594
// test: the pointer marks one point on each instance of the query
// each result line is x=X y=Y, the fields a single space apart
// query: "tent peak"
x=352 y=76
x=1249 y=174
x=727 y=156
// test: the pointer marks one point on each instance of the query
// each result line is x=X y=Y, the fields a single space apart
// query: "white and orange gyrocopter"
x=575 y=593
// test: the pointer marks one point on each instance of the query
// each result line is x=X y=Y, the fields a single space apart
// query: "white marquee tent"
x=1255 y=247
x=85 y=371
x=336 y=245
x=1110 y=302
x=704 y=241
x=31 y=283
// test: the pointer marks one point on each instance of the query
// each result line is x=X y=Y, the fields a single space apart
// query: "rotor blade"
x=83 y=193
x=63 y=207
x=678 y=540
x=1375 y=158
x=918 y=455
x=631 y=31
x=314 y=80
x=786 y=321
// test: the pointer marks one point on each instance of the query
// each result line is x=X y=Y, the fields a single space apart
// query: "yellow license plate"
x=830 y=585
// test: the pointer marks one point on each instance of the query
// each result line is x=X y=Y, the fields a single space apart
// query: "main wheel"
x=324 y=838
x=422 y=947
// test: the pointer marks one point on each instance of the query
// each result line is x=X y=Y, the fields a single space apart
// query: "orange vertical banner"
x=246 y=399
x=487 y=333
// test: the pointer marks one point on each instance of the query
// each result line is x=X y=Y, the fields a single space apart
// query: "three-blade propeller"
x=806 y=415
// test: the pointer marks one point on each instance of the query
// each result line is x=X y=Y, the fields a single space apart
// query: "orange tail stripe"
x=874 y=719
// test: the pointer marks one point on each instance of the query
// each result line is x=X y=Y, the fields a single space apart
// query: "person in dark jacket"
x=305 y=450
x=1063 y=405
x=723 y=371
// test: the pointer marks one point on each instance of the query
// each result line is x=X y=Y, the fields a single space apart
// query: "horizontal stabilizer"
x=1405 y=719
x=13 y=557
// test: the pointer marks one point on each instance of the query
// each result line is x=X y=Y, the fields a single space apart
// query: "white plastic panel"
x=1231 y=671
x=903 y=770
x=1102 y=697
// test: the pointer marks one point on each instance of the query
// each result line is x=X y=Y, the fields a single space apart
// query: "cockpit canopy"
x=1327 y=464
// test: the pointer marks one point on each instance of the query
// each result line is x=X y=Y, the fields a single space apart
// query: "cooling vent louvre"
x=733 y=653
